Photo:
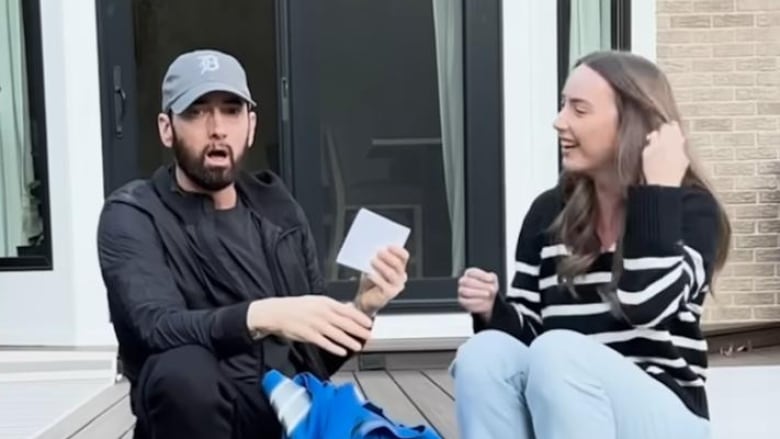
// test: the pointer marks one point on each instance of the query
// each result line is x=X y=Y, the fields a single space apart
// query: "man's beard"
x=209 y=178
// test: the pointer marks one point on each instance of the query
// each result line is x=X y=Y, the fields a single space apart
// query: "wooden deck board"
x=436 y=405
x=381 y=390
x=442 y=379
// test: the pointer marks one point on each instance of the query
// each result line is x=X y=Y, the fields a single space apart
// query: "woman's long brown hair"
x=644 y=102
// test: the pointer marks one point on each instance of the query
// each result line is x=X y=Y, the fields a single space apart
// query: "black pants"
x=183 y=393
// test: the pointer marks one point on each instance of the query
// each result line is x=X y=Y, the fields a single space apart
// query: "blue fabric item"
x=312 y=409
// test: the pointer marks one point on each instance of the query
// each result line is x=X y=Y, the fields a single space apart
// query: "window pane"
x=21 y=224
x=590 y=28
x=391 y=113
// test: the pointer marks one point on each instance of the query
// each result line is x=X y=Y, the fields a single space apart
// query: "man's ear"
x=252 y=128
x=165 y=128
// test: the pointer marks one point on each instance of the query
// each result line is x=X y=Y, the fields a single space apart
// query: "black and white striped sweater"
x=669 y=247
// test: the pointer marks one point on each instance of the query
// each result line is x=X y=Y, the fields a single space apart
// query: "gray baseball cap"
x=193 y=74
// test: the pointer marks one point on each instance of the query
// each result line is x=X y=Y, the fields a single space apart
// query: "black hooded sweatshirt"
x=172 y=280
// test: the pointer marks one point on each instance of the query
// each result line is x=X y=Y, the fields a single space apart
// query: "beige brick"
x=718 y=109
x=769 y=197
x=672 y=6
x=724 y=184
x=753 y=270
x=741 y=255
x=758 y=34
x=699 y=140
x=763 y=94
x=772 y=108
x=713 y=5
x=768 y=139
x=771 y=167
x=768 y=19
x=705 y=94
x=739 y=169
x=691 y=21
x=732 y=313
x=715 y=154
x=771 y=284
x=675 y=36
x=754 y=299
x=744 y=227
x=758 y=5
x=758 y=153
x=720 y=36
x=757 y=241
x=767 y=312
x=762 y=182
x=733 y=20
x=733 y=139
x=684 y=51
x=755 y=124
x=663 y=22
x=761 y=211
x=768 y=255
x=735 y=285
x=734 y=79
x=742 y=197
x=756 y=64
x=772 y=226
x=674 y=65
x=713 y=65
x=713 y=125
x=689 y=79
x=734 y=49
x=767 y=49
x=764 y=79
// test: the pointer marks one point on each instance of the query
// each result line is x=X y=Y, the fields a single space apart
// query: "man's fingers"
x=315 y=336
x=392 y=275
x=400 y=254
x=379 y=280
x=351 y=327
x=332 y=332
x=353 y=314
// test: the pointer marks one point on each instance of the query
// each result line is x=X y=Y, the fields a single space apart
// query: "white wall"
x=65 y=306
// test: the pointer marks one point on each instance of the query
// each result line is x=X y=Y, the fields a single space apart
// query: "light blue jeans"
x=565 y=386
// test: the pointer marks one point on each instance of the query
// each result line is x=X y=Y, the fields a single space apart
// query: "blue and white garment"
x=309 y=408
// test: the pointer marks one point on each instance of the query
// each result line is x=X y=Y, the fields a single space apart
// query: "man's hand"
x=316 y=319
x=387 y=280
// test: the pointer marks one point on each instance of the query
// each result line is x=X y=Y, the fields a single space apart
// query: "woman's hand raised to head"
x=664 y=159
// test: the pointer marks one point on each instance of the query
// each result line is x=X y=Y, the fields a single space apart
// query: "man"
x=212 y=274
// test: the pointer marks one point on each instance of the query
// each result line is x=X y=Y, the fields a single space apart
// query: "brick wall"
x=723 y=59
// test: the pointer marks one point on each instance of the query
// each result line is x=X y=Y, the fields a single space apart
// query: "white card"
x=368 y=234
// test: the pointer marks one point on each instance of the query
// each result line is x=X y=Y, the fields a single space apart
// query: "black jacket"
x=163 y=293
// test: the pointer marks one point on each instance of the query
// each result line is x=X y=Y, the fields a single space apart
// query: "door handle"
x=120 y=100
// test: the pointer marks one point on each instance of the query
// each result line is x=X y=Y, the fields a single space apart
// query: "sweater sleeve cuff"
x=230 y=333
x=653 y=220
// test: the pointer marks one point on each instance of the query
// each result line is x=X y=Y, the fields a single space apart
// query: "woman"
x=599 y=335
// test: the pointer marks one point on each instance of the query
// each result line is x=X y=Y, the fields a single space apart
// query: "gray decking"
x=425 y=396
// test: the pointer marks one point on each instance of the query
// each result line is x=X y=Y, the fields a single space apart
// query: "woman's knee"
x=489 y=354
x=187 y=377
x=554 y=356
